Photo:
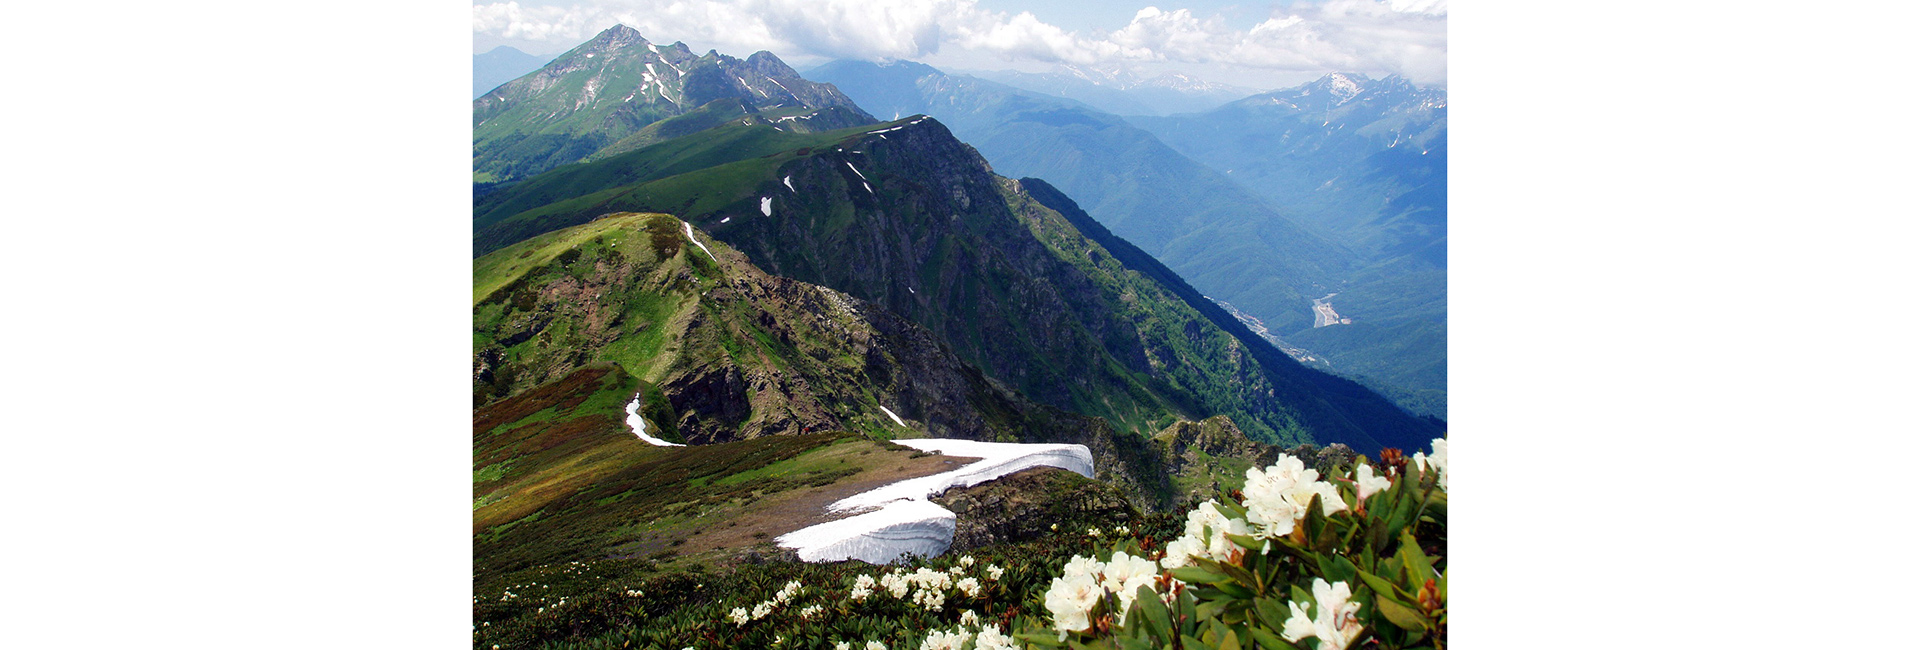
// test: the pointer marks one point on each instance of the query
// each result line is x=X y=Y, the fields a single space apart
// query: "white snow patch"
x=899 y=528
x=651 y=48
x=896 y=418
x=905 y=521
x=865 y=185
x=789 y=181
x=782 y=86
x=639 y=425
x=856 y=170
x=743 y=82
x=696 y=241
x=766 y=205
x=726 y=219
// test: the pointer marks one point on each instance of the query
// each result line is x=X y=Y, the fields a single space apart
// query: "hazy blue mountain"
x=1122 y=91
x=500 y=65
x=1367 y=160
x=1219 y=236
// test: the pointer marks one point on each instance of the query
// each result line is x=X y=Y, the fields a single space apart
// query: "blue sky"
x=1257 y=44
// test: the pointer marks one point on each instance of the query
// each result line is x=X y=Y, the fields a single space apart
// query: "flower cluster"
x=1332 y=621
x=984 y=638
x=740 y=615
x=1086 y=583
x=1272 y=537
x=1436 y=462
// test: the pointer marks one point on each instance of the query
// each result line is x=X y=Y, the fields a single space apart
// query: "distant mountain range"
x=1217 y=234
x=500 y=65
x=1122 y=91
x=1366 y=160
x=1250 y=202
x=611 y=87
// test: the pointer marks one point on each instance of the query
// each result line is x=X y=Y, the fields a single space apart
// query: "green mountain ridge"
x=906 y=216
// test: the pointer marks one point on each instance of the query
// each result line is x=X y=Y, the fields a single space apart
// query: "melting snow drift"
x=640 y=425
x=696 y=241
x=766 y=205
x=905 y=521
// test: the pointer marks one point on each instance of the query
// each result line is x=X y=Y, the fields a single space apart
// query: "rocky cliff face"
x=1027 y=505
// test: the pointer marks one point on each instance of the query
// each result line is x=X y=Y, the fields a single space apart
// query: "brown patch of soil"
x=779 y=514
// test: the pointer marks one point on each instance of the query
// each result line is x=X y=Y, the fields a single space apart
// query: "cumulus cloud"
x=1408 y=37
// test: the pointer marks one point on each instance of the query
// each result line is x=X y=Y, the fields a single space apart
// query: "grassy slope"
x=558 y=477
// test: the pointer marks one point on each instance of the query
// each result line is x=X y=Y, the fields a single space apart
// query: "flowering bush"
x=1292 y=562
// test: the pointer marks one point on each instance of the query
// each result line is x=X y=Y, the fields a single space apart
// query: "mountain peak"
x=614 y=38
x=767 y=64
x=1343 y=84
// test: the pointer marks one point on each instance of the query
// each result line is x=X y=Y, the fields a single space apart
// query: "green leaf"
x=1198 y=575
x=1383 y=586
x=1230 y=641
x=1272 y=641
x=1235 y=589
x=1159 y=621
x=1044 y=639
x=1400 y=614
x=1240 y=575
x=1247 y=542
x=1209 y=611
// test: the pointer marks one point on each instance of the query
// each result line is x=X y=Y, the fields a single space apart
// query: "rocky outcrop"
x=1026 y=505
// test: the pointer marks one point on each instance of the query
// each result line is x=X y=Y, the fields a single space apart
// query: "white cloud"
x=1408 y=37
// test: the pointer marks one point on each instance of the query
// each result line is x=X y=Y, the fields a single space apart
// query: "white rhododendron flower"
x=994 y=571
x=1071 y=599
x=1125 y=590
x=966 y=560
x=940 y=640
x=787 y=593
x=1180 y=552
x=969 y=619
x=1278 y=497
x=876 y=645
x=1125 y=573
x=1333 y=622
x=1435 y=463
x=1368 y=484
x=809 y=611
x=842 y=645
x=1082 y=566
x=761 y=610
x=930 y=599
x=739 y=615
x=991 y=639
x=968 y=586
x=1093 y=532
